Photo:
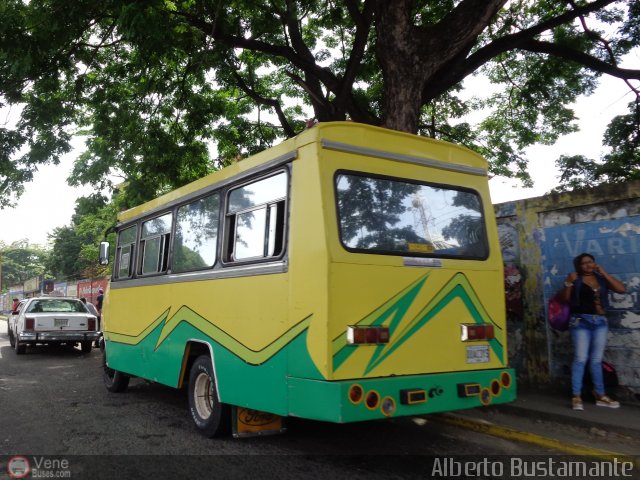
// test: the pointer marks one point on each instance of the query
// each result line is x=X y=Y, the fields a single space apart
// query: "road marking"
x=509 y=433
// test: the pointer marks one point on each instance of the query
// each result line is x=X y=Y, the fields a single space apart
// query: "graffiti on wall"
x=616 y=245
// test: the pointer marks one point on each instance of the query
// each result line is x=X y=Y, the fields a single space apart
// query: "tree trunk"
x=403 y=75
x=413 y=57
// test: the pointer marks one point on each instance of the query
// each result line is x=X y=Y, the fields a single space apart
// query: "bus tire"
x=114 y=381
x=211 y=417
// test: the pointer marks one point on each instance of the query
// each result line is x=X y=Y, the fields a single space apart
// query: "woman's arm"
x=565 y=293
x=612 y=282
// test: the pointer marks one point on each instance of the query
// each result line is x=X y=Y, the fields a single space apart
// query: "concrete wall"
x=540 y=237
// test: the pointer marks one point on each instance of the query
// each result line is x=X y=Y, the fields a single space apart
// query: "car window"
x=56 y=306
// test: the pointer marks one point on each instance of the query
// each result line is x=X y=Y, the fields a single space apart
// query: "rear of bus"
x=414 y=314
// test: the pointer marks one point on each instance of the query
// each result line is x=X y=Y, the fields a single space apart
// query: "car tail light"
x=367 y=335
x=476 y=331
x=92 y=324
x=29 y=323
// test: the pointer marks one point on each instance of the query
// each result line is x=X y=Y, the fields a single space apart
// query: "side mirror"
x=104 y=253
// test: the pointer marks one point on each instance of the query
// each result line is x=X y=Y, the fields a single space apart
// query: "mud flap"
x=252 y=423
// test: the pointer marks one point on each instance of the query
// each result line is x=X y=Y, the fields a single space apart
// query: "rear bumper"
x=57 y=336
x=441 y=392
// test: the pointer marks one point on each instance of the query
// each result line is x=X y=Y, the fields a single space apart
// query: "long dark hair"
x=578 y=260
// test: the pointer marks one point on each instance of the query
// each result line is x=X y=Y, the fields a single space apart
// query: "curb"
x=512 y=434
x=578 y=422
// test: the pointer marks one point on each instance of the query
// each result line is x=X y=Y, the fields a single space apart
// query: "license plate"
x=60 y=322
x=478 y=354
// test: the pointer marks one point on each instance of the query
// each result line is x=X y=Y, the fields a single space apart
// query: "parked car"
x=51 y=320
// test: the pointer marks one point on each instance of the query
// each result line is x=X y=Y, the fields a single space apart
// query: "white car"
x=51 y=320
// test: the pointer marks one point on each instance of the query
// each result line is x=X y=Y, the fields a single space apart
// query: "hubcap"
x=203 y=395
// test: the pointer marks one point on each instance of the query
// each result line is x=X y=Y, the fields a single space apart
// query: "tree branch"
x=454 y=72
x=260 y=100
x=582 y=58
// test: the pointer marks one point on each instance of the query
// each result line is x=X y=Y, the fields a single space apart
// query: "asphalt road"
x=53 y=406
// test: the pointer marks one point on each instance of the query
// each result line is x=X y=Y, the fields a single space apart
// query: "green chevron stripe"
x=136 y=339
x=396 y=308
x=383 y=311
x=185 y=314
x=458 y=287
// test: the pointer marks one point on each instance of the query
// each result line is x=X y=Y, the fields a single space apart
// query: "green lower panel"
x=258 y=386
x=329 y=401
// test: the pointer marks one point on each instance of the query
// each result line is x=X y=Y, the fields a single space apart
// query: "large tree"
x=154 y=84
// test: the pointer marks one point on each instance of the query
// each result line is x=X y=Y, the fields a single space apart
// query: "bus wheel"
x=211 y=417
x=114 y=380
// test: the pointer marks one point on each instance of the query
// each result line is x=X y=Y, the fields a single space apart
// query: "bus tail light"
x=475 y=331
x=356 y=393
x=367 y=335
x=505 y=379
x=388 y=406
x=495 y=388
x=29 y=323
x=372 y=400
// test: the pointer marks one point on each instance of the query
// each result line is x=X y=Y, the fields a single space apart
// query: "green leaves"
x=167 y=90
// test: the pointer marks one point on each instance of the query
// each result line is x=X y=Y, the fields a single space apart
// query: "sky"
x=48 y=202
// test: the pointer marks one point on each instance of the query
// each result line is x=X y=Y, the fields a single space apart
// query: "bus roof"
x=350 y=136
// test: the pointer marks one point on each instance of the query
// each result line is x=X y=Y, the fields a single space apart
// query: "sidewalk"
x=545 y=418
x=553 y=406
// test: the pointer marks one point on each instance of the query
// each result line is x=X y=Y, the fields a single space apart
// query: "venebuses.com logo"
x=18 y=467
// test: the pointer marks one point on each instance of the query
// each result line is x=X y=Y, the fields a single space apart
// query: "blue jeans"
x=589 y=335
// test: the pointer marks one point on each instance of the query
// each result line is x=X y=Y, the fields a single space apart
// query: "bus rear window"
x=400 y=217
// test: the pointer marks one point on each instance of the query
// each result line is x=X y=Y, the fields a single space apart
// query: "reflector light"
x=388 y=406
x=476 y=331
x=469 y=389
x=29 y=323
x=495 y=387
x=413 y=396
x=92 y=324
x=367 y=335
x=372 y=400
x=355 y=393
x=505 y=379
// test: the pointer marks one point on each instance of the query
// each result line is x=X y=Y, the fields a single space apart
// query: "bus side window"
x=124 y=252
x=255 y=219
x=154 y=245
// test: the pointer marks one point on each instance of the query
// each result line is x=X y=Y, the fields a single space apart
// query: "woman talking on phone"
x=586 y=291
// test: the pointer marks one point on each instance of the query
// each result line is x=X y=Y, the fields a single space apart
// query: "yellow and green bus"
x=350 y=273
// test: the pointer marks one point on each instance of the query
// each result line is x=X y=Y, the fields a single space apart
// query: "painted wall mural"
x=616 y=245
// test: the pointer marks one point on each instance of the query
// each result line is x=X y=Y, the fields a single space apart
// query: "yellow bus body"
x=277 y=329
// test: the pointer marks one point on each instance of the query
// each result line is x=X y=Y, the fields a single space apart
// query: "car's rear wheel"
x=114 y=380
x=21 y=348
x=212 y=418
x=12 y=339
x=86 y=346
